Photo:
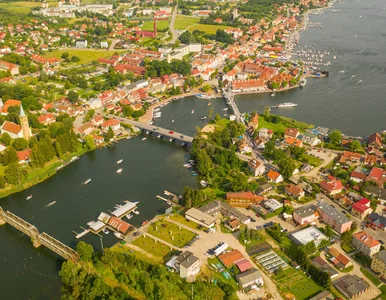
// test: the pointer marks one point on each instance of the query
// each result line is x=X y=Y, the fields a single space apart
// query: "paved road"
x=172 y=29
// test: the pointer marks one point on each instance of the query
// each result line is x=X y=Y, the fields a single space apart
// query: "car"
x=382 y=242
x=181 y=136
x=171 y=132
x=343 y=211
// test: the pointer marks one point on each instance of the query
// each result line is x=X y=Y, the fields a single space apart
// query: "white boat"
x=144 y=139
x=172 y=121
x=118 y=235
x=187 y=165
x=273 y=95
x=105 y=231
x=51 y=203
x=135 y=212
x=203 y=96
x=129 y=216
x=203 y=118
x=29 y=197
x=151 y=122
x=119 y=171
x=286 y=104
x=302 y=82
x=87 y=181
x=203 y=183
x=192 y=111
x=226 y=108
x=119 y=161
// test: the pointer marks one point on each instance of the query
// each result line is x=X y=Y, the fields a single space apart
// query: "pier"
x=38 y=239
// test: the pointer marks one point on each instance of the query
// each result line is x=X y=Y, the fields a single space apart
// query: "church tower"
x=24 y=124
x=155 y=29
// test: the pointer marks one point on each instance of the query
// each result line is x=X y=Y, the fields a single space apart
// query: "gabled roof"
x=366 y=239
x=11 y=127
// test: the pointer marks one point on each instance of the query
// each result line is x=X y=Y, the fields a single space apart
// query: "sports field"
x=148 y=25
x=19 y=7
x=183 y=22
x=211 y=29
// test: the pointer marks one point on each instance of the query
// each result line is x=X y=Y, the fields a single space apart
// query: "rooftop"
x=351 y=285
x=306 y=211
x=302 y=237
x=338 y=217
x=366 y=239
x=200 y=216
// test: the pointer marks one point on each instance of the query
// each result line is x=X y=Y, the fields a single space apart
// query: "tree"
x=20 y=144
x=335 y=137
x=73 y=97
x=210 y=112
x=355 y=146
x=14 y=175
x=6 y=139
x=109 y=135
x=328 y=232
x=346 y=237
x=267 y=111
x=2 y=182
x=85 y=251
x=89 y=143
x=65 y=55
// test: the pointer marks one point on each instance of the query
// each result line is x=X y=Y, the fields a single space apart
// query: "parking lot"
x=319 y=153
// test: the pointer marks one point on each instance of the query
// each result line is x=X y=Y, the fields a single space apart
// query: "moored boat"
x=29 y=197
x=302 y=82
x=119 y=161
x=286 y=104
x=119 y=235
x=119 y=171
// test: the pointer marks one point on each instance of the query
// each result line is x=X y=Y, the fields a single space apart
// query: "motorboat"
x=192 y=111
x=203 y=118
x=144 y=139
x=119 y=171
x=302 y=82
x=119 y=235
x=105 y=231
x=129 y=216
x=87 y=181
x=135 y=212
x=286 y=104
x=29 y=197
x=119 y=161
x=145 y=222
x=172 y=121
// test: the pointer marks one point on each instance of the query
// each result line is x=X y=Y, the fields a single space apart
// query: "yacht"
x=144 y=139
x=129 y=216
x=203 y=96
x=203 y=118
x=29 y=197
x=302 y=82
x=119 y=235
x=286 y=104
x=119 y=171
x=50 y=204
x=135 y=212
x=119 y=161
x=87 y=181
x=192 y=111
x=172 y=121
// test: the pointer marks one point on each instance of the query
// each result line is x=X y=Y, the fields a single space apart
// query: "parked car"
x=171 y=132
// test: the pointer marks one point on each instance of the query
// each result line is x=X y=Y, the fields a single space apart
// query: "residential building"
x=14 y=130
x=249 y=278
x=244 y=265
x=112 y=123
x=357 y=176
x=305 y=214
x=294 y=191
x=232 y=225
x=365 y=243
x=374 y=140
x=377 y=221
x=348 y=157
x=309 y=234
x=274 y=176
x=291 y=133
x=188 y=264
x=215 y=207
x=322 y=265
x=337 y=220
x=272 y=204
x=229 y=258
x=362 y=208
x=24 y=156
x=243 y=199
x=7 y=66
x=378 y=264
x=199 y=217
x=331 y=186
x=351 y=286
x=338 y=259
x=325 y=295
x=256 y=167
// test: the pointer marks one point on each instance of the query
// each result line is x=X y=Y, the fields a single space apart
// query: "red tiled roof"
x=359 y=207
x=11 y=127
x=366 y=239
x=273 y=175
x=376 y=173
x=23 y=155
x=119 y=225
x=244 y=265
x=228 y=259
x=293 y=132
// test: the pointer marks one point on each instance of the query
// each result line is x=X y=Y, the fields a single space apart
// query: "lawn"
x=347 y=248
x=183 y=22
x=383 y=290
x=217 y=192
x=211 y=29
x=148 y=25
x=362 y=259
x=296 y=283
x=312 y=160
x=85 y=56
x=181 y=219
x=157 y=249
x=171 y=233
x=371 y=277
x=19 y=7
x=137 y=254
x=283 y=124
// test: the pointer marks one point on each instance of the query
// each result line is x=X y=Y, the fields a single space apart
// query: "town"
x=286 y=210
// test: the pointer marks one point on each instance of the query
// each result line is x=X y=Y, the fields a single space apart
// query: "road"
x=172 y=29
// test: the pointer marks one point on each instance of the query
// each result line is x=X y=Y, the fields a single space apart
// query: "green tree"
x=85 y=251
x=14 y=174
x=356 y=146
x=335 y=137
x=20 y=144
x=73 y=97
x=6 y=139
x=89 y=143
x=109 y=135
x=346 y=237
x=2 y=182
x=328 y=232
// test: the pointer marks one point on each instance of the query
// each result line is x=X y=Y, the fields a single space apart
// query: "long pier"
x=38 y=239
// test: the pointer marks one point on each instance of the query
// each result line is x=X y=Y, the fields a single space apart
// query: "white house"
x=256 y=167
x=14 y=130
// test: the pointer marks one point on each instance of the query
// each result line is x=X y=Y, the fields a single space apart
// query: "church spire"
x=22 y=113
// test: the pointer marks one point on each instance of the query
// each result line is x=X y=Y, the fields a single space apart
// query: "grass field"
x=207 y=28
x=283 y=124
x=137 y=254
x=85 y=56
x=157 y=249
x=371 y=277
x=19 y=7
x=183 y=22
x=296 y=283
x=383 y=290
x=171 y=233
x=148 y=25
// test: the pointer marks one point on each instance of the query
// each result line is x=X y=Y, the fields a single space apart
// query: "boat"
x=135 y=212
x=119 y=171
x=187 y=165
x=172 y=121
x=145 y=222
x=203 y=118
x=119 y=161
x=203 y=96
x=129 y=216
x=302 y=82
x=144 y=139
x=51 y=203
x=29 y=197
x=151 y=122
x=119 y=235
x=273 y=95
x=225 y=109
x=286 y=104
x=87 y=181
x=210 y=103
x=203 y=183
x=105 y=231
x=192 y=111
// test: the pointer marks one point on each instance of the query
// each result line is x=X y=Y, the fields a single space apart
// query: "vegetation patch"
x=183 y=22
x=171 y=233
x=371 y=277
x=85 y=56
x=19 y=7
x=151 y=246
x=181 y=219
x=211 y=29
x=161 y=25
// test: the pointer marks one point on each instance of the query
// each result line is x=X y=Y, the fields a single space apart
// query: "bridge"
x=37 y=238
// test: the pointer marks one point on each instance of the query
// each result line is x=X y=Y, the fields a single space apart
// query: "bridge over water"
x=37 y=238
